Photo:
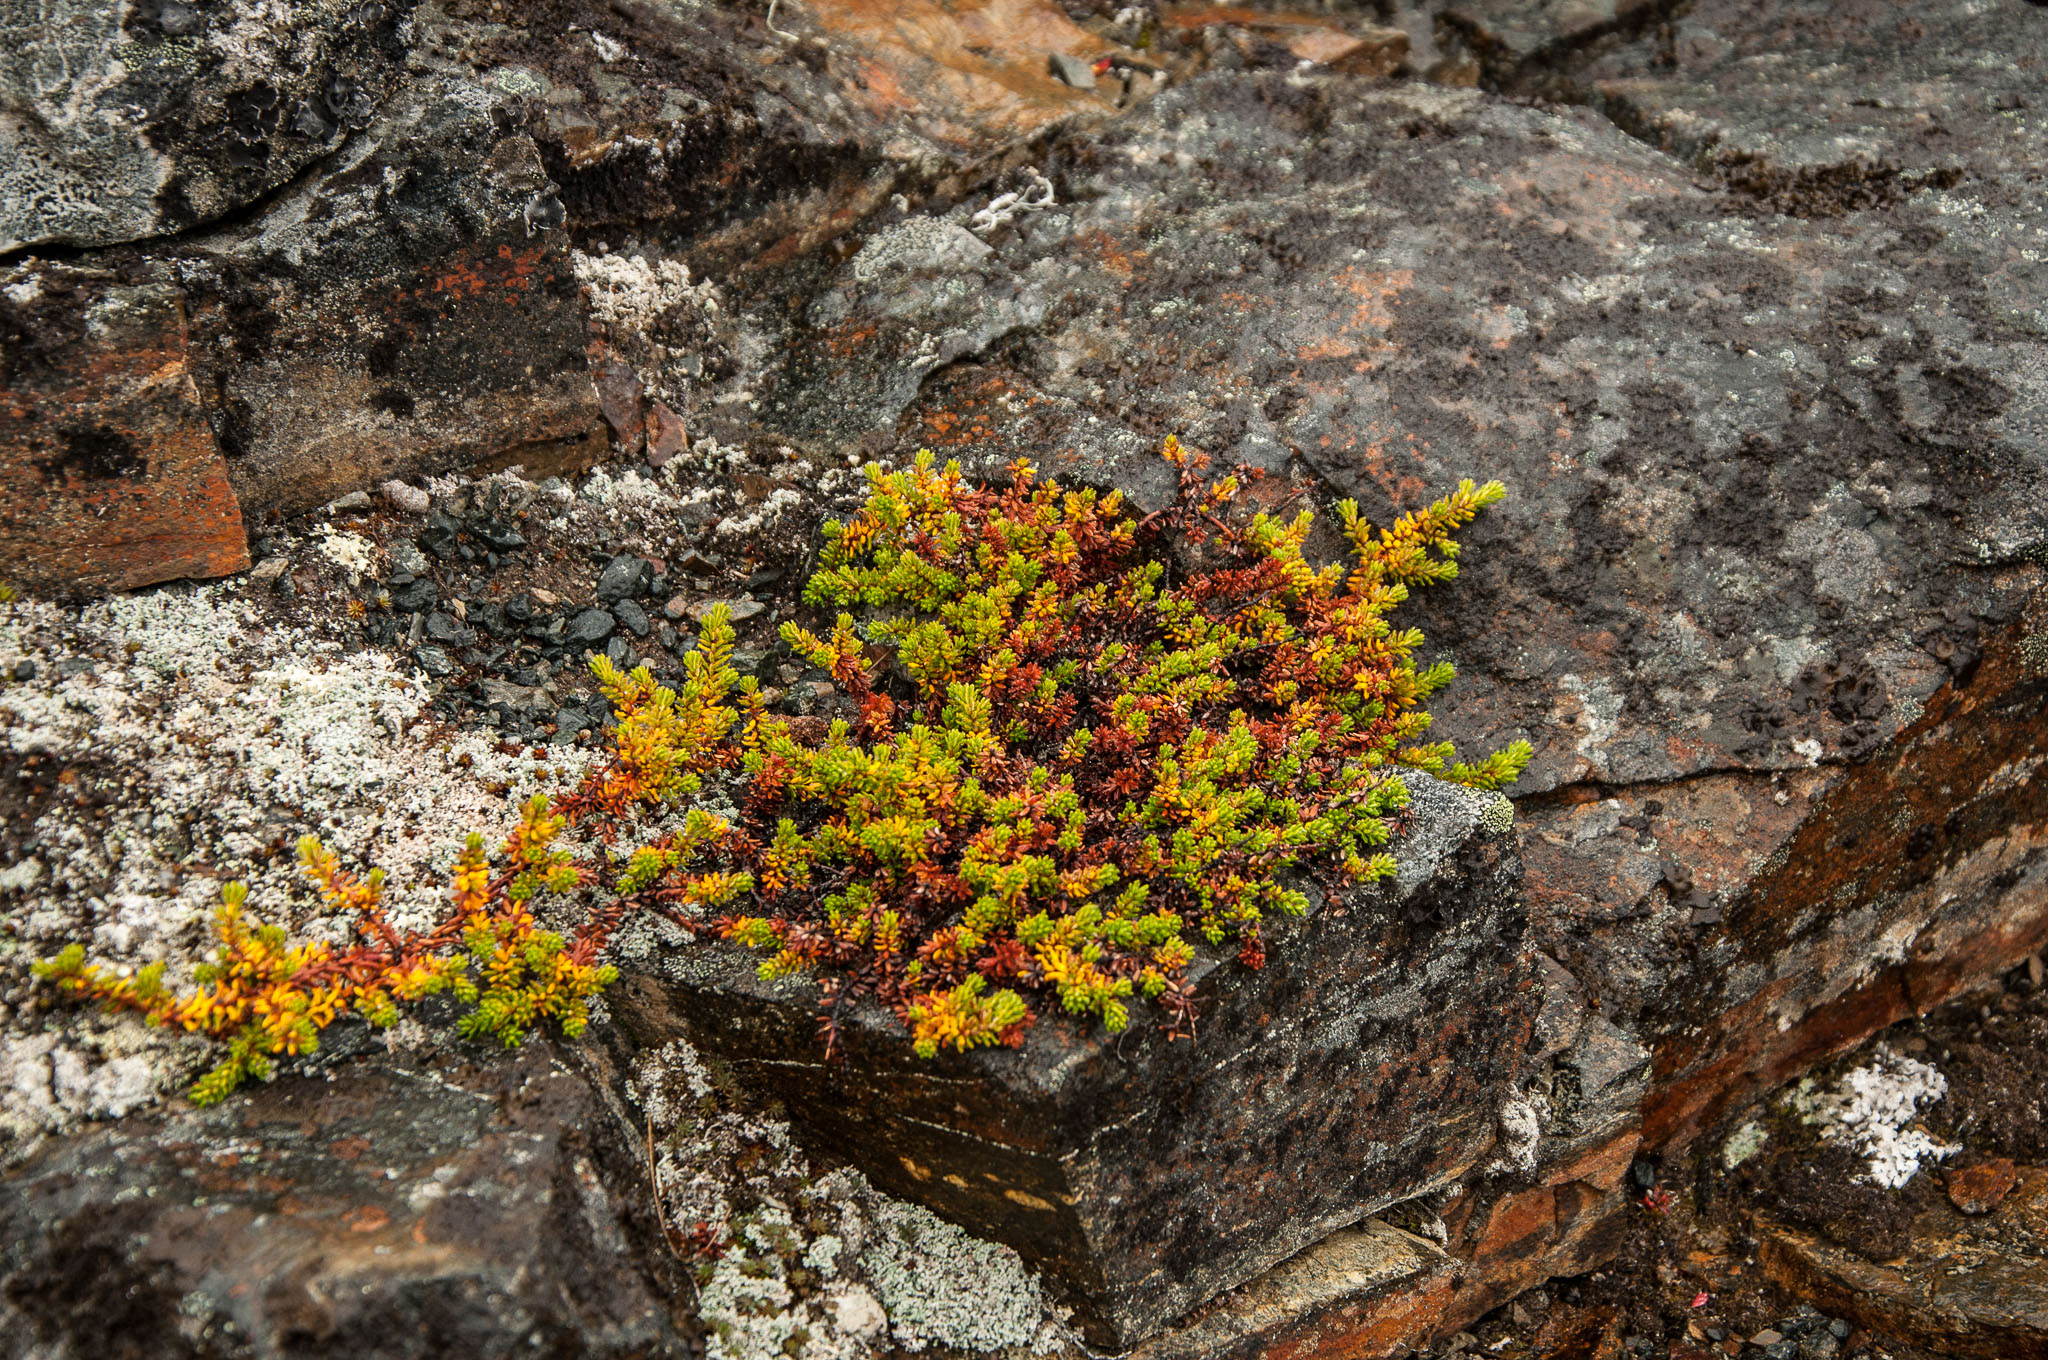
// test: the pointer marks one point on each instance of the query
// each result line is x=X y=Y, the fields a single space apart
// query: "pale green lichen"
x=1743 y=1144
x=1498 y=817
x=792 y=1266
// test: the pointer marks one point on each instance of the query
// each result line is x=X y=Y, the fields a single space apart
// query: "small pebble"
x=632 y=616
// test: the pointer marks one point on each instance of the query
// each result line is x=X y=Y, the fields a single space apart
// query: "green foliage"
x=1083 y=744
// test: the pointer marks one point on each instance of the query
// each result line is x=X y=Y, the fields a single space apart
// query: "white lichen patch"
x=1873 y=1109
x=628 y=291
x=353 y=553
x=192 y=744
x=818 y=1268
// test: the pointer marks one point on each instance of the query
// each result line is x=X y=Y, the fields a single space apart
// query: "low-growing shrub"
x=1083 y=744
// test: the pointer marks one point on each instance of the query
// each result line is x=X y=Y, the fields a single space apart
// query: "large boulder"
x=120 y=122
x=375 y=1210
x=1368 y=1062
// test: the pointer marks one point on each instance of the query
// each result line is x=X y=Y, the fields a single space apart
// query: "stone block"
x=1363 y=1065
x=109 y=475
x=373 y=1211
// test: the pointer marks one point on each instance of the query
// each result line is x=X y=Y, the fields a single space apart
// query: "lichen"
x=793 y=1264
x=1873 y=1109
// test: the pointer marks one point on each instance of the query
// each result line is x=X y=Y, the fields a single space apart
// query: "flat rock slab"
x=1977 y=1287
x=1365 y=1064
x=109 y=475
x=1361 y=1291
x=374 y=1211
x=1915 y=95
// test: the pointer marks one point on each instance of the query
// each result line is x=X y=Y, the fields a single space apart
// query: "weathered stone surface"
x=1515 y=38
x=396 y=313
x=383 y=1212
x=1955 y=1293
x=1977 y=1185
x=1723 y=576
x=109 y=477
x=1916 y=96
x=1363 y=1065
x=121 y=122
x=1361 y=1291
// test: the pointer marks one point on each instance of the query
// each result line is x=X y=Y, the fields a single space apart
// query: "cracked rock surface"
x=1747 y=305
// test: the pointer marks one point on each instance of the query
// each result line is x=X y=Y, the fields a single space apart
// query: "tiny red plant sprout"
x=1658 y=1200
x=1087 y=745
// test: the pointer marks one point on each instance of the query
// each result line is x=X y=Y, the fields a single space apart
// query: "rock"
x=740 y=610
x=1911 y=100
x=1769 y=1336
x=406 y=557
x=126 y=131
x=1362 y=1065
x=415 y=597
x=570 y=721
x=620 y=393
x=1074 y=71
x=442 y=628
x=1360 y=1291
x=1516 y=39
x=632 y=616
x=1977 y=1185
x=266 y=572
x=109 y=475
x=440 y=536
x=500 y=535
x=1332 y=41
x=518 y=698
x=666 y=436
x=410 y=499
x=678 y=607
x=1963 y=1286
x=1329 y=367
x=589 y=628
x=623 y=577
x=387 y=1211
x=435 y=661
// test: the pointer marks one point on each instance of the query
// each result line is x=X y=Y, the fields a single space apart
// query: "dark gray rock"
x=444 y=628
x=406 y=557
x=624 y=577
x=1364 y=1064
x=375 y=1210
x=434 y=660
x=632 y=616
x=134 y=122
x=415 y=596
x=588 y=628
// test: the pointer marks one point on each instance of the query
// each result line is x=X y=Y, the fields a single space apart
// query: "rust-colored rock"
x=109 y=475
x=1958 y=1290
x=1359 y=1293
x=1977 y=1185
x=971 y=74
